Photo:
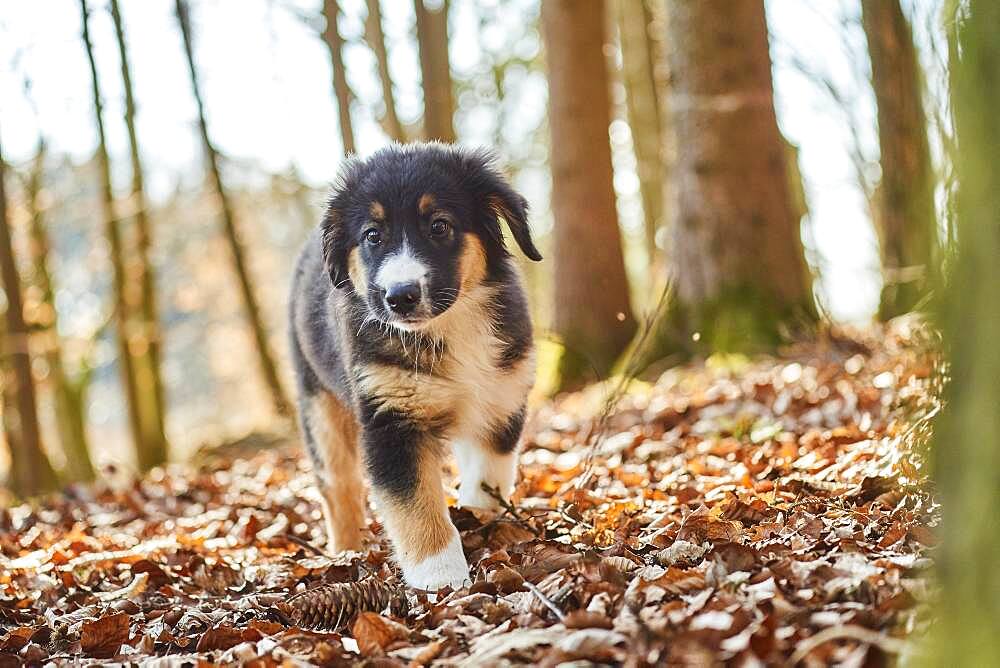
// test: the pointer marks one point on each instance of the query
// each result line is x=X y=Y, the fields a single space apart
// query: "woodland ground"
x=739 y=512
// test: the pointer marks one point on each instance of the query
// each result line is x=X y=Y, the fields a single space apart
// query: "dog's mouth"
x=410 y=323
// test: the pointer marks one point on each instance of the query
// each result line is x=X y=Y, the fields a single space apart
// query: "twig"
x=545 y=601
x=508 y=507
x=303 y=543
x=495 y=494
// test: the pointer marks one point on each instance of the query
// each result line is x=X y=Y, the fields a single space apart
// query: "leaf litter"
x=741 y=512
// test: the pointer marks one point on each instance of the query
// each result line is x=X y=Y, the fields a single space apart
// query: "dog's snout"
x=402 y=298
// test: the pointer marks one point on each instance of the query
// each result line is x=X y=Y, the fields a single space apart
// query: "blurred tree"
x=435 y=70
x=269 y=370
x=739 y=278
x=141 y=422
x=30 y=471
x=592 y=315
x=145 y=334
x=904 y=198
x=341 y=89
x=966 y=455
x=375 y=36
x=634 y=20
x=68 y=394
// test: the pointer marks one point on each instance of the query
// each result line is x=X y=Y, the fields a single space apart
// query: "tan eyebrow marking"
x=377 y=211
x=426 y=203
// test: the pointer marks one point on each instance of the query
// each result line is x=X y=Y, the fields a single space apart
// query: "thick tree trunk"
x=30 y=472
x=145 y=339
x=119 y=279
x=435 y=71
x=592 y=315
x=268 y=369
x=67 y=395
x=739 y=277
x=634 y=20
x=341 y=89
x=375 y=36
x=904 y=205
x=966 y=453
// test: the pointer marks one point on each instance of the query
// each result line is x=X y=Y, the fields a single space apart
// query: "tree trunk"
x=341 y=89
x=30 y=472
x=435 y=71
x=592 y=315
x=268 y=369
x=145 y=339
x=965 y=454
x=67 y=395
x=904 y=205
x=634 y=20
x=119 y=279
x=738 y=275
x=375 y=36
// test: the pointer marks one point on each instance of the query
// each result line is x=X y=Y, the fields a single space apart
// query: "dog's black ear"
x=336 y=236
x=502 y=200
x=513 y=208
x=335 y=247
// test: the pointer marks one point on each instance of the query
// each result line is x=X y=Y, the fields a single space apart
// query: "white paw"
x=476 y=497
x=447 y=568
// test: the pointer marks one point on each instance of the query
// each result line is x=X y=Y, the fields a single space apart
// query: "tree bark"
x=435 y=71
x=592 y=315
x=965 y=454
x=30 y=472
x=145 y=337
x=68 y=396
x=904 y=204
x=268 y=369
x=119 y=279
x=738 y=274
x=634 y=20
x=341 y=89
x=375 y=36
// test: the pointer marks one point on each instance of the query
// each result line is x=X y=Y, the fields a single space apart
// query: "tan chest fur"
x=463 y=390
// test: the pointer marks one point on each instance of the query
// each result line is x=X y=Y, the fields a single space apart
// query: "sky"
x=266 y=80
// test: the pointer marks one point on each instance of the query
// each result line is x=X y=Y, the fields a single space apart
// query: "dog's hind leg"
x=331 y=434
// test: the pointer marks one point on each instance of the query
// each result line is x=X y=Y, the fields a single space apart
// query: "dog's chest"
x=466 y=385
x=484 y=395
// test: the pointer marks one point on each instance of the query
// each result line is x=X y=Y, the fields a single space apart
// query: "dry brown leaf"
x=104 y=637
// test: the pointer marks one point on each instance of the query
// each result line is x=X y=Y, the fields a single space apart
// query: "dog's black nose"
x=402 y=297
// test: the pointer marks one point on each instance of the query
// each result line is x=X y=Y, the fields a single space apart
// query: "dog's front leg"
x=488 y=462
x=405 y=469
x=481 y=465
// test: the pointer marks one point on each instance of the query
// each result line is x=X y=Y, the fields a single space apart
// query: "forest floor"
x=743 y=512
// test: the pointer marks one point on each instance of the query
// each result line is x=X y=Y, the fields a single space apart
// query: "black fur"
x=505 y=435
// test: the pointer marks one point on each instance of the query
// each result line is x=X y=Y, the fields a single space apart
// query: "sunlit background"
x=271 y=111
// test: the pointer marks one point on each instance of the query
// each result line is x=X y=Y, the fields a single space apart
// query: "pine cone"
x=331 y=607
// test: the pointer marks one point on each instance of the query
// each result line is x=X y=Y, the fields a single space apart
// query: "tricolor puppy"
x=411 y=337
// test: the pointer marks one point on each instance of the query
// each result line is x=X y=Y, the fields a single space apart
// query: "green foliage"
x=966 y=453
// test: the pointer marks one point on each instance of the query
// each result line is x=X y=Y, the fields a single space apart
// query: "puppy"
x=411 y=336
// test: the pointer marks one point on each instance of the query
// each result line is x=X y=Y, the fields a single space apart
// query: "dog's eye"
x=373 y=237
x=439 y=228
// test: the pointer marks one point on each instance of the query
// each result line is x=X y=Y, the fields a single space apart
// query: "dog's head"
x=413 y=228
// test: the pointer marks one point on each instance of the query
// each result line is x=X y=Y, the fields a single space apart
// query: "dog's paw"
x=478 y=499
x=447 y=568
